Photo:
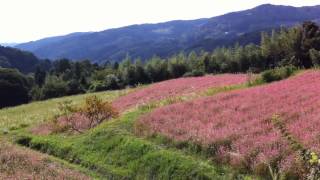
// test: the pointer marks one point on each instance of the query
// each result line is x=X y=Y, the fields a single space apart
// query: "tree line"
x=298 y=46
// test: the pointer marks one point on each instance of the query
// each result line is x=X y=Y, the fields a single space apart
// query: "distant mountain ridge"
x=165 y=39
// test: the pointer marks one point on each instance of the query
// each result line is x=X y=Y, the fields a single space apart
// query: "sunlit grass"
x=37 y=112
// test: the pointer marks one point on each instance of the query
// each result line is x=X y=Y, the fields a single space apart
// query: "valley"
x=230 y=97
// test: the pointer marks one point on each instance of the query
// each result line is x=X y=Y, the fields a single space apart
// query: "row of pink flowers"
x=243 y=118
x=176 y=87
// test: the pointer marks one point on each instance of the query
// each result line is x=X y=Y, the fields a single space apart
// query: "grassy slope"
x=37 y=112
x=112 y=150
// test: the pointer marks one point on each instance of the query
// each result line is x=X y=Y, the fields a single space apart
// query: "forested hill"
x=165 y=39
x=22 y=60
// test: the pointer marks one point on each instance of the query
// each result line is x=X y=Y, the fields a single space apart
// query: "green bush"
x=278 y=73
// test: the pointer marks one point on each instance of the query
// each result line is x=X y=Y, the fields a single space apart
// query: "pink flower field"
x=176 y=87
x=239 y=123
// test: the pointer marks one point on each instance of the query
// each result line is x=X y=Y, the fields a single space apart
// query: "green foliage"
x=292 y=46
x=96 y=111
x=54 y=87
x=24 y=61
x=97 y=86
x=35 y=93
x=177 y=66
x=40 y=76
x=61 y=66
x=278 y=73
x=75 y=87
x=315 y=57
x=112 y=82
x=14 y=88
x=157 y=69
x=194 y=73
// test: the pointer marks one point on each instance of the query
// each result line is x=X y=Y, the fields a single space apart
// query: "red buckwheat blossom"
x=242 y=119
x=176 y=87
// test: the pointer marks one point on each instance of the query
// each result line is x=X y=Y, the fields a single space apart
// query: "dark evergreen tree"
x=39 y=76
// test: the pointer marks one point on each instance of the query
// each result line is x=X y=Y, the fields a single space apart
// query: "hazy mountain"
x=164 y=39
x=34 y=45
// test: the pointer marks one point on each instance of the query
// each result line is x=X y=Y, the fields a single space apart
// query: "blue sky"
x=26 y=20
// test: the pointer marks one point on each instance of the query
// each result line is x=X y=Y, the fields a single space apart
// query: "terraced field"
x=238 y=124
x=113 y=150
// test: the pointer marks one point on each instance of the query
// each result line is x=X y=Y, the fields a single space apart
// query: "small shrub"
x=77 y=119
x=97 y=111
x=66 y=110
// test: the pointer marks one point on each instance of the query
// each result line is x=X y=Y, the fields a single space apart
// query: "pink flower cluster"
x=175 y=87
x=243 y=118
